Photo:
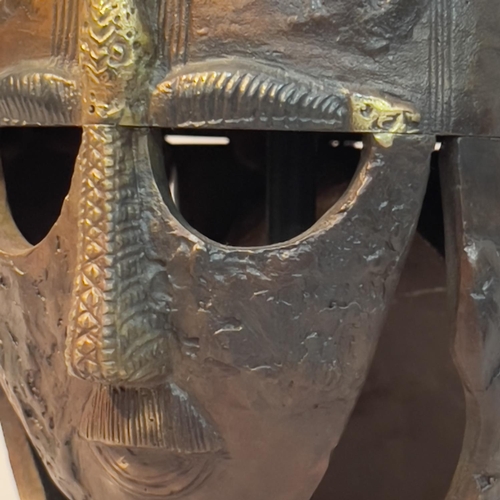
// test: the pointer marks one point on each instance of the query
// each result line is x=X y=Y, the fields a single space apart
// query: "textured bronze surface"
x=472 y=181
x=299 y=58
x=266 y=346
x=146 y=360
x=26 y=475
x=118 y=316
x=406 y=431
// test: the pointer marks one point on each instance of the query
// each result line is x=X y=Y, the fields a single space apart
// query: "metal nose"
x=117 y=331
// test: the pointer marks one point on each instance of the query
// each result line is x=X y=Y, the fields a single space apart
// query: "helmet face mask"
x=144 y=359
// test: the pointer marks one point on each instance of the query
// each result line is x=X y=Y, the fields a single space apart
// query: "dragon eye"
x=37 y=165
x=366 y=111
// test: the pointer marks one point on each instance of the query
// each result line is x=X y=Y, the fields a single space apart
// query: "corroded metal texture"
x=28 y=481
x=144 y=359
x=405 y=434
x=471 y=186
x=262 y=347
x=238 y=62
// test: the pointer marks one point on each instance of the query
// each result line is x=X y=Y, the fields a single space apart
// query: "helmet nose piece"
x=117 y=330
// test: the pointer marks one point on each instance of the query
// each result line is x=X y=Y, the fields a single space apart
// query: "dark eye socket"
x=38 y=166
x=257 y=188
x=222 y=191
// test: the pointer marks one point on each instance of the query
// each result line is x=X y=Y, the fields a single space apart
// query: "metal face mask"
x=147 y=361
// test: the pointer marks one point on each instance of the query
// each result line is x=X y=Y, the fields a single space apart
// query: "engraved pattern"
x=117 y=332
x=34 y=97
x=382 y=117
x=232 y=94
x=65 y=28
x=175 y=21
x=114 y=52
x=161 y=417
x=441 y=22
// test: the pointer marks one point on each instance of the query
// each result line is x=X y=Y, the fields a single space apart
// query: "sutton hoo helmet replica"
x=146 y=360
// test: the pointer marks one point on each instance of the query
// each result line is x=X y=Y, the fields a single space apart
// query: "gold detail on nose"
x=117 y=334
x=115 y=47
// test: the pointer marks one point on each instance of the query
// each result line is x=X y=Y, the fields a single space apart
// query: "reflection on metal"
x=471 y=183
x=114 y=51
x=118 y=322
x=162 y=417
x=196 y=140
x=29 y=96
x=26 y=476
x=147 y=360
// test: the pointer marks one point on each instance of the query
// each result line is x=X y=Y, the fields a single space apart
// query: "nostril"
x=37 y=166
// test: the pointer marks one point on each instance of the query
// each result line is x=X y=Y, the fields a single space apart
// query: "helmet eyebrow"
x=46 y=97
x=245 y=94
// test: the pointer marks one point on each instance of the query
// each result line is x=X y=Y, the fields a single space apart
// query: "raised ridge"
x=225 y=93
x=37 y=97
x=117 y=333
x=160 y=417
